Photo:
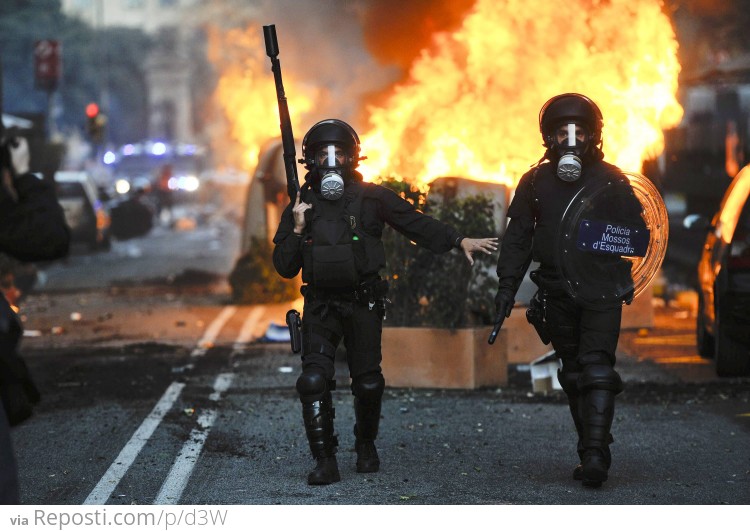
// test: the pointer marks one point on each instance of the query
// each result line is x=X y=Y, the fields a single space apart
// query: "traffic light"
x=96 y=122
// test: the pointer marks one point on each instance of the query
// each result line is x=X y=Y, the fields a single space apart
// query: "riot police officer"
x=332 y=233
x=584 y=332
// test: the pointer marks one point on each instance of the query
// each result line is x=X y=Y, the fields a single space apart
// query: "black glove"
x=503 y=306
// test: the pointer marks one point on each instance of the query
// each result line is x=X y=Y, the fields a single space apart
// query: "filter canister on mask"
x=332 y=186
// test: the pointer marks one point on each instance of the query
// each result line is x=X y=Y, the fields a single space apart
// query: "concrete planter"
x=444 y=359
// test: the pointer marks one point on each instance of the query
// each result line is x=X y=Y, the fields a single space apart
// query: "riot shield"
x=612 y=240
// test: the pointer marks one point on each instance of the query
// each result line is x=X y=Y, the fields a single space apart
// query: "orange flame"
x=246 y=93
x=470 y=107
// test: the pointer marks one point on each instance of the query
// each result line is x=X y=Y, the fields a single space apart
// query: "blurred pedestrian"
x=332 y=232
x=32 y=227
x=164 y=194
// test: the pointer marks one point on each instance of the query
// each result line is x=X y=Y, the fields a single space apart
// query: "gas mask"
x=570 y=150
x=331 y=163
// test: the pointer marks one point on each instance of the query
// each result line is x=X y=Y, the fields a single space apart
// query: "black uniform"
x=341 y=255
x=32 y=227
x=584 y=338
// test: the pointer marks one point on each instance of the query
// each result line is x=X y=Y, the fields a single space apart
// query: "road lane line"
x=222 y=383
x=212 y=332
x=129 y=453
x=179 y=475
x=248 y=327
x=125 y=459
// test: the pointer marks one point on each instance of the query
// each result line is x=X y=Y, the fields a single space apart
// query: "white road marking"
x=222 y=383
x=212 y=332
x=129 y=453
x=179 y=475
x=121 y=464
x=246 y=333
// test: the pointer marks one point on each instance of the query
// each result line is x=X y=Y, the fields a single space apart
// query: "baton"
x=496 y=330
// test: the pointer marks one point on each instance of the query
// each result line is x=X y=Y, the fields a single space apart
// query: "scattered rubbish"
x=189 y=411
x=544 y=373
x=57 y=330
x=285 y=369
x=75 y=316
x=32 y=333
x=182 y=368
x=276 y=333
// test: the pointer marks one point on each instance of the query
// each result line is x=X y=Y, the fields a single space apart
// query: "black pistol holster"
x=535 y=316
x=294 y=323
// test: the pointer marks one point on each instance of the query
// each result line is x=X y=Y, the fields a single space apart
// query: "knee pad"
x=369 y=386
x=602 y=377
x=311 y=386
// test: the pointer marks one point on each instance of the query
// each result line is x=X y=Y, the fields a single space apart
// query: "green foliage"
x=441 y=291
x=254 y=279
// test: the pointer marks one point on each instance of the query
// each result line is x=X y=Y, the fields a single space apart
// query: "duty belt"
x=371 y=292
x=368 y=291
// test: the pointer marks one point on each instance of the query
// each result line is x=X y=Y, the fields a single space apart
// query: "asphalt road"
x=162 y=393
x=677 y=442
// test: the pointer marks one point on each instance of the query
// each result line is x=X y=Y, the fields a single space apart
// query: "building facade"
x=167 y=69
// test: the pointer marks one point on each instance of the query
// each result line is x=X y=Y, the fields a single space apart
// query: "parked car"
x=85 y=213
x=723 y=322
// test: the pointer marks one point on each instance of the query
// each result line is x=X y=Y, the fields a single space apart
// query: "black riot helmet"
x=570 y=107
x=571 y=127
x=330 y=132
x=331 y=152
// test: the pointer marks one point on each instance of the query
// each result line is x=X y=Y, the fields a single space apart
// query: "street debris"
x=276 y=333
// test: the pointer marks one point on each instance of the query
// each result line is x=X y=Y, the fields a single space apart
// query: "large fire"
x=246 y=94
x=470 y=106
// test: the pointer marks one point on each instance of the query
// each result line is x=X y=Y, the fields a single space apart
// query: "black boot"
x=574 y=403
x=599 y=411
x=326 y=471
x=318 y=417
x=367 y=416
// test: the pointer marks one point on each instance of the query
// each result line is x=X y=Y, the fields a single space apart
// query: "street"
x=157 y=390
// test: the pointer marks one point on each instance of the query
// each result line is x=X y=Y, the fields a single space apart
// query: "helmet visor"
x=570 y=136
x=330 y=156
